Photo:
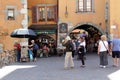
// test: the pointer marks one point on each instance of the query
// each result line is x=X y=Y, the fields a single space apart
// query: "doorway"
x=92 y=35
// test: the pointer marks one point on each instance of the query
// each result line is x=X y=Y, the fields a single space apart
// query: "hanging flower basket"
x=5 y=33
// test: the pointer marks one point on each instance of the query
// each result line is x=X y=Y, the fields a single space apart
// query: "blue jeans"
x=18 y=55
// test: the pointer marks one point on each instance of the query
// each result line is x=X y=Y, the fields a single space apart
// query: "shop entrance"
x=46 y=39
x=46 y=36
x=43 y=40
x=92 y=33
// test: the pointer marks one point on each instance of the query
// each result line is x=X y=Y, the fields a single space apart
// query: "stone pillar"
x=24 y=22
x=25 y=13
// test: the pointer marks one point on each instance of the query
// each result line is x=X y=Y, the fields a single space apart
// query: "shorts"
x=116 y=54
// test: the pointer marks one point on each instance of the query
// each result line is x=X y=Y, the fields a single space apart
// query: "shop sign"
x=45 y=31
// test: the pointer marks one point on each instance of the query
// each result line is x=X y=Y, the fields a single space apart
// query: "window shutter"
x=93 y=9
x=56 y=12
x=34 y=14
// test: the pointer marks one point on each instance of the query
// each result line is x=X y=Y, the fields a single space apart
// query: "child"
x=30 y=53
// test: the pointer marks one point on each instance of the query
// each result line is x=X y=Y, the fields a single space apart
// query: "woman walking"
x=102 y=51
x=82 y=50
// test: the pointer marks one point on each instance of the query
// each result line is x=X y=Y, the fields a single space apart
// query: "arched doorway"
x=88 y=27
x=93 y=34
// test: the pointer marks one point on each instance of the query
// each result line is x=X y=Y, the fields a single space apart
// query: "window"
x=42 y=14
x=85 y=6
x=50 y=14
x=89 y=5
x=80 y=5
x=46 y=13
x=10 y=14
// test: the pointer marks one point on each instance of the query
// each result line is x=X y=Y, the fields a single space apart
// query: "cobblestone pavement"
x=52 y=69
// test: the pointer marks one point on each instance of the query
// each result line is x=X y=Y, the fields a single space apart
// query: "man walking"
x=115 y=50
x=68 y=57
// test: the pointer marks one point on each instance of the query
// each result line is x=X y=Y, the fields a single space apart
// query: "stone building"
x=54 y=19
x=10 y=19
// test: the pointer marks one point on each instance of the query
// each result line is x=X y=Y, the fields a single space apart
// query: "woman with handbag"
x=82 y=51
x=102 y=51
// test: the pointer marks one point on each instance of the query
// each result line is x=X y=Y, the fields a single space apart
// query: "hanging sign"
x=63 y=27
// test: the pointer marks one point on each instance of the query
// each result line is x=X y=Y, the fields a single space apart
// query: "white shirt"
x=103 y=47
x=82 y=44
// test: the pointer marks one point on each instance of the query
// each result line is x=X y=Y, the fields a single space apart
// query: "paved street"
x=52 y=69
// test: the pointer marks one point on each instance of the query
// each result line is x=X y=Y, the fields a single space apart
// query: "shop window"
x=85 y=6
x=10 y=14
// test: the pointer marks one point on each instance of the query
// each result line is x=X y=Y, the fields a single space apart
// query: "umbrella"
x=23 y=33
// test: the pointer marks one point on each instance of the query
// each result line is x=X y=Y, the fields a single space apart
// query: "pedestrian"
x=73 y=48
x=68 y=56
x=84 y=35
x=115 y=45
x=82 y=51
x=102 y=51
x=35 y=48
x=45 y=50
x=77 y=42
x=30 y=53
x=17 y=50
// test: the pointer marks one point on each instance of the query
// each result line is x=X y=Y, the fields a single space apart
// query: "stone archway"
x=97 y=27
x=89 y=24
x=94 y=33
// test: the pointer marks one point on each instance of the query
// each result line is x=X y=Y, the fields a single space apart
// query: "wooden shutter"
x=56 y=13
x=34 y=14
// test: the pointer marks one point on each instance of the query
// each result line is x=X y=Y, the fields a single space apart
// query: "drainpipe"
x=58 y=34
x=107 y=19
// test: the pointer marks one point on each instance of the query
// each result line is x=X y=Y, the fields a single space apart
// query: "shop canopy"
x=44 y=29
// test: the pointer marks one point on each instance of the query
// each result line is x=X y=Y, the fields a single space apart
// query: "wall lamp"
x=66 y=12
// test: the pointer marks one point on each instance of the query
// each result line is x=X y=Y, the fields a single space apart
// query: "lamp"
x=66 y=12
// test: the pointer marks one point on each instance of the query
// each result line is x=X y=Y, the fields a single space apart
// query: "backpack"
x=68 y=46
x=35 y=47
